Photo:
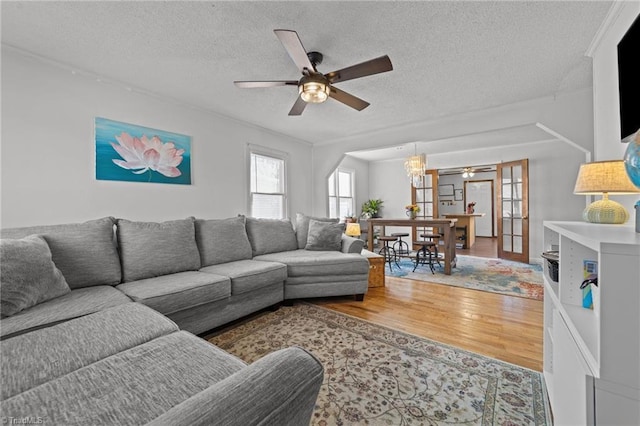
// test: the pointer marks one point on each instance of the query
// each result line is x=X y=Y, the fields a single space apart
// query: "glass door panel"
x=425 y=197
x=513 y=226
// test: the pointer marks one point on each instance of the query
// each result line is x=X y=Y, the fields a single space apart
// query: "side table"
x=376 y=268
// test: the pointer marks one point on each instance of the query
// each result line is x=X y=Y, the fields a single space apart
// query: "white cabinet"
x=592 y=355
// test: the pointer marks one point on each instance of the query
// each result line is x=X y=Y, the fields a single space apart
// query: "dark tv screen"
x=629 y=80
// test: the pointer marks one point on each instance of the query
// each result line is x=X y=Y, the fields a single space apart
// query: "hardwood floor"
x=504 y=327
x=484 y=247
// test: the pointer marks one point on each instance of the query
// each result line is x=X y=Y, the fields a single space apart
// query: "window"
x=267 y=188
x=341 y=200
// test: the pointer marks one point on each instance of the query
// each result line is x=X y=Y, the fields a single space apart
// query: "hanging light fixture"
x=467 y=172
x=416 y=166
x=314 y=88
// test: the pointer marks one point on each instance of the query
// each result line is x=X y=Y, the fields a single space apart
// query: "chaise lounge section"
x=131 y=365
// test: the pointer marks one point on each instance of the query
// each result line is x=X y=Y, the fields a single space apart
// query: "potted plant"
x=371 y=208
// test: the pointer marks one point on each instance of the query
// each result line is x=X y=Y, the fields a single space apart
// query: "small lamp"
x=604 y=177
x=353 y=229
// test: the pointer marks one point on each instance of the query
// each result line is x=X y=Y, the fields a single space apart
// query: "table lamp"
x=604 y=177
x=353 y=229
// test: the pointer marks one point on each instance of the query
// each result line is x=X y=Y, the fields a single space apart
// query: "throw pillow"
x=85 y=252
x=150 y=249
x=222 y=240
x=324 y=236
x=302 y=227
x=28 y=276
x=270 y=235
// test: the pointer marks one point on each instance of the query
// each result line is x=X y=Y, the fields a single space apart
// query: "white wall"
x=47 y=147
x=606 y=108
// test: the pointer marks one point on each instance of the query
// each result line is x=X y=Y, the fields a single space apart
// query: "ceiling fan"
x=467 y=172
x=315 y=87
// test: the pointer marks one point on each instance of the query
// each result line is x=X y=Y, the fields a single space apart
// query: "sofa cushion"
x=312 y=263
x=85 y=252
x=28 y=276
x=150 y=249
x=249 y=275
x=32 y=359
x=302 y=227
x=174 y=292
x=131 y=387
x=324 y=236
x=270 y=235
x=222 y=240
x=77 y=303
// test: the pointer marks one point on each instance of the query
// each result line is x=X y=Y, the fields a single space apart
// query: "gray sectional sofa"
x=118 y=345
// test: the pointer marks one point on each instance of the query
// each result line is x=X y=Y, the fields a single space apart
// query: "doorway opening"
x=497 y=196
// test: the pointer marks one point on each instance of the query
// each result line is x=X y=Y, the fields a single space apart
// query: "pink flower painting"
x=128 y=152
x=143 y=154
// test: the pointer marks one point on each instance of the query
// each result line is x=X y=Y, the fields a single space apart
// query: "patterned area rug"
x=379 y=376
x=479 y=273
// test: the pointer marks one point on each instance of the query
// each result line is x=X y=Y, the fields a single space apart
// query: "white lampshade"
x=604 y=177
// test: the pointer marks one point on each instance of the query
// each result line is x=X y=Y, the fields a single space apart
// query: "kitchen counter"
x=465 y=227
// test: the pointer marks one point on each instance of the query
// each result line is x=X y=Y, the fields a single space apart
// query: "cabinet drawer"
x=376 y=271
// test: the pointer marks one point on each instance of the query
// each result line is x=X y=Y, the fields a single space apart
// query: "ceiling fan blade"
x=363 y=69
x=348 y=99
x=253 y=84
x=298 y=107
x=295 y=49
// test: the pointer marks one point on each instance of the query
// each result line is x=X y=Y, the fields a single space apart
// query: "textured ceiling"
x=448 y=57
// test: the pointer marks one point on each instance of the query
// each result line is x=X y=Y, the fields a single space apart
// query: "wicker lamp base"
x=605 y=211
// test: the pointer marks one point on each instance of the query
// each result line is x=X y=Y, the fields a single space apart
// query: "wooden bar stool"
x=387 y=250
x=401 y=247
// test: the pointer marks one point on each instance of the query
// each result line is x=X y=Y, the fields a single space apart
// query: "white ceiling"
x=448 y=57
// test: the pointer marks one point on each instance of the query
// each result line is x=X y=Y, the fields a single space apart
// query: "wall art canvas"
x=127 y=152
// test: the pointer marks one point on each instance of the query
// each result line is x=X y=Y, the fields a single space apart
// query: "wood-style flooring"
x=504 y=327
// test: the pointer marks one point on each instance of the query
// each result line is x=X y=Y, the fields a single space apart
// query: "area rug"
x=379 y=376
x=479 y=273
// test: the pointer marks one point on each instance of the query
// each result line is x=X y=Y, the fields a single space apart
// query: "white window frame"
x=336 y=173
x=278 y=155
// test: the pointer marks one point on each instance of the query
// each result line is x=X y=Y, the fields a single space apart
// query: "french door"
x=513 y=210
x=425 y=196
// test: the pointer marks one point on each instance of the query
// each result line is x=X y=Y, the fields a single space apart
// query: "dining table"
x=448 y=227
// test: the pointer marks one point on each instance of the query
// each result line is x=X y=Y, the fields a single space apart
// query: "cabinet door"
x=573 y=385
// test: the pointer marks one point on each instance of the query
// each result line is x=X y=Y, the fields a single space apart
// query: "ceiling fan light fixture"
x=314 y=89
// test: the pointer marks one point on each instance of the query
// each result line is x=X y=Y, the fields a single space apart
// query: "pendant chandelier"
x=416 y=165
